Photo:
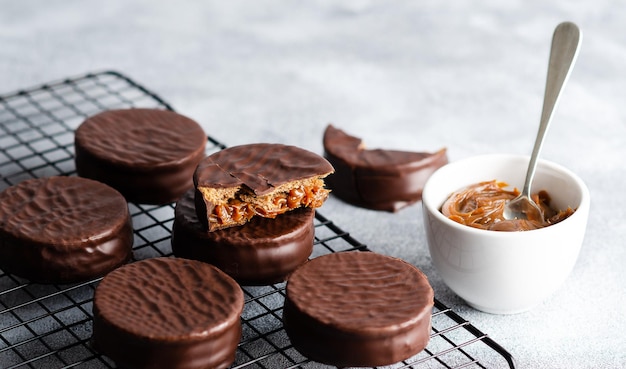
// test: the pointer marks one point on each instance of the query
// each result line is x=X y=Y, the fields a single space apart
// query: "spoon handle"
x=563 y=54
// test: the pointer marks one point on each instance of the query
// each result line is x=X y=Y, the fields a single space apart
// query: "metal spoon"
x=563 y=54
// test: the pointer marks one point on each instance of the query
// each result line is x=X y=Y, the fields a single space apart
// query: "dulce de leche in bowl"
x=503 y=272
x=481 y=205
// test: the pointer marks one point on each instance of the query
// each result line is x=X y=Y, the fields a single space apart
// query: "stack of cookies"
x=251 y=211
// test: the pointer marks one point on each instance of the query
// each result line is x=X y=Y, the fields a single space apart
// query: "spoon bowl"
x=522 y=207
x=563 y=53
x=504 y=272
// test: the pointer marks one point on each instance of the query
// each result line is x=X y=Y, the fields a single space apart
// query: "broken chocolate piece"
x=377 y=179
x=235 y=184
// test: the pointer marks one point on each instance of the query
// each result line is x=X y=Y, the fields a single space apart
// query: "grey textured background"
x=416 y=75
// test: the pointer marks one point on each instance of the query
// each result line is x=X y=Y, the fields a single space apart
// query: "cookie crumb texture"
x=261 y=252
x=238 y=183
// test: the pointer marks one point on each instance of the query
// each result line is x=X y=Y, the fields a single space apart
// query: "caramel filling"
x=481 y=206
x=243 y=206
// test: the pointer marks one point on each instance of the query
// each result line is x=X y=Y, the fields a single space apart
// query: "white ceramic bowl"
x=504 y=272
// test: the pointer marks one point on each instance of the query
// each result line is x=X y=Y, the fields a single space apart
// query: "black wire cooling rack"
x=49 y=326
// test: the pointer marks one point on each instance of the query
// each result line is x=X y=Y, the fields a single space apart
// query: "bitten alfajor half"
x=168 y=313
x=149 y=155
x=238 y=183
x=63 y=229
x=377 y=179
x=261 y=252
x=358 y=309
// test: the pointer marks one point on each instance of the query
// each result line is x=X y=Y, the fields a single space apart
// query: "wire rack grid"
x=49 y=326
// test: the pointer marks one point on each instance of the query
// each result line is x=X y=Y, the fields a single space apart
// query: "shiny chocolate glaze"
x=358 y=309
x=168 y=313
x=263 y=251
x=63 y=229
x=377 y=179
x=149 y=155
x=260 y=167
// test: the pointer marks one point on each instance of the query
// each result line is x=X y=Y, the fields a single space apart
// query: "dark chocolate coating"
x=149 y=155
x=262 y=251
x=377 y=179
x=63 y=229
x=260 y=167
x=168 y=313
x=358 y=309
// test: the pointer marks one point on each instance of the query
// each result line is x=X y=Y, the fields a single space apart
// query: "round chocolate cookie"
x=149 y=155
x=387 y=180
x=168 y=313
x=262 y=251
x=358 y=309
x=63 y=229
x=241 y=182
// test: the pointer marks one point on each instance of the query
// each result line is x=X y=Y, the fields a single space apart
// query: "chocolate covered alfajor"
x=149 y=155
x=168 y=313
x=63 y=229
x=261 y=252
x=240 y=182
x=377 y=179
x=358 y=309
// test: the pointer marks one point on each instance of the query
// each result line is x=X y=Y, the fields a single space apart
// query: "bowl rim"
x=429 y=206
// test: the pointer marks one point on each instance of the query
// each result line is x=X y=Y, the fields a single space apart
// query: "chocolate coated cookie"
x=377 y=179
x=358 y=309
x=149 y=155
x=261 y=179
x=168 y=313
x=262 y=251
x=63 y=229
